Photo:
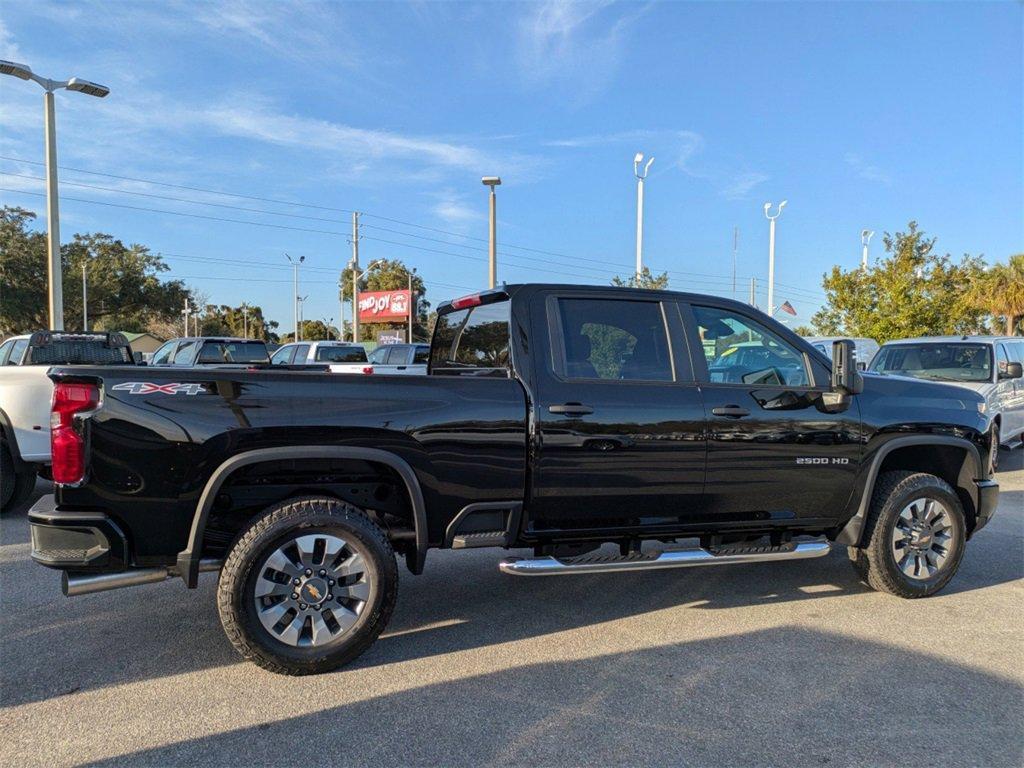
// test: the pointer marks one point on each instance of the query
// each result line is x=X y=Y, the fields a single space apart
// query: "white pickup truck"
x=339 y=356
x=25 y=394
x=400 y=359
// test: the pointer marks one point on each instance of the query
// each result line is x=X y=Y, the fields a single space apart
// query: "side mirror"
x=846 y=379
x=138 y=358
x=1013 y=371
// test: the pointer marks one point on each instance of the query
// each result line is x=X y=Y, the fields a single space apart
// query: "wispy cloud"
x=8 y=48
x=577 y=43
x=741 y=186
x=452 y=208
x=868 y=171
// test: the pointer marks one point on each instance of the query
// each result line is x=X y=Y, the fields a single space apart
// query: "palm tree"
x=1000 y=291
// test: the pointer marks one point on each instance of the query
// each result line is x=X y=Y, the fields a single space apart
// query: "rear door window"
x=422 y=355
x=352 y=354
x=283 y=356
x=4 y=349
x=613 y=339
x=472 y=342
x=185 y=351
x=17 y=352
x=398 y=356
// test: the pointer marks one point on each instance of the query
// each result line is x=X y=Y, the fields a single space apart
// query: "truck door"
x=619 y=418
x=774 y=452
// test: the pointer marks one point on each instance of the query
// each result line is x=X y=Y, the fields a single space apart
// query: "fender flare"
x=853 y=530
x=188 y=558
x=9 y=437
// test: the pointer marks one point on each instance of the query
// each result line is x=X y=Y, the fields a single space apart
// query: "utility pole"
x=412 y=303
x=492 y=251
x=771 y=254
x=735 y=246
x=85 y=301
x=865 y=238
x=640 y=177
x=54 y=277
x=245 y=321
x=295 y=285
x=355 y=277
x=753 y=292
x=185 y=312
x=302 y=306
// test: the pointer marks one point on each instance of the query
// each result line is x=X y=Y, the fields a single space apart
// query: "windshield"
x=351 y=354
x=936 y=362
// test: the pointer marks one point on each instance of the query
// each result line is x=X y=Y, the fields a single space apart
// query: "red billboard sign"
x=383 y=306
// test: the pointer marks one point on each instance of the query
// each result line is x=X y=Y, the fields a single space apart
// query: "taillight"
x=367 y=369
x=67 y=447
x=462 y=302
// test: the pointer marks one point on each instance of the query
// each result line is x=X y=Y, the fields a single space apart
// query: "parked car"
x=220 y=351
x=25 y=393
x=988 y=365
x=554 y=418
x=865 y=349
x=339 y=356
x=400 y=359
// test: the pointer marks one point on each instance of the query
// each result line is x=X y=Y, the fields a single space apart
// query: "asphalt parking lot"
x=786 y=664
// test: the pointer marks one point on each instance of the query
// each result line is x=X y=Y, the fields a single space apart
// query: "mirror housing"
x=138 y=358
x=1013 y=371
x=846 y=379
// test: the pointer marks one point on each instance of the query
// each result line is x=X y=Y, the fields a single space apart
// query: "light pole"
x=492 y=251
x=412 y=303
x=771 y=254
x=56 y=294
x=85 y=300
x=245 y=320
x=302 y=306
x=639 y=158
x=865 y=238
x=295 y=284
x=356 y=277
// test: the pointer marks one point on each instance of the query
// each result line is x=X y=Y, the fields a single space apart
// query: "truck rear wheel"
x=15 y=487
x=307 y=587
x=914 y=536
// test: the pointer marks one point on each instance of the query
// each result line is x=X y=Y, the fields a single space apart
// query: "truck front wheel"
x=914 y=536
x=307 y=587
x=15 y=487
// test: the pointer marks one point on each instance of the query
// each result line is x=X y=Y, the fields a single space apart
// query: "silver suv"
x=990 y=365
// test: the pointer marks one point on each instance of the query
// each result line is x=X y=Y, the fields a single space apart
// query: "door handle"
x=400 y=368
x=734 y=411
x=571 y=409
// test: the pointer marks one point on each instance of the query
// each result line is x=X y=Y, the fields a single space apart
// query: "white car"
x=340 y=356
x=864 y=349
x=400 y=359
x=25 y=394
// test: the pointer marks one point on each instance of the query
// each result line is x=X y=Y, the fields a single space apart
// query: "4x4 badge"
x=148 y=388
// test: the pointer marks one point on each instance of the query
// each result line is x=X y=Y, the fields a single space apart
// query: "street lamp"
x=771 y=254
x=23 y=72
x=295 y=283
x=865 y=238
x=492 y=251
x=356 y=277
x=639 y=158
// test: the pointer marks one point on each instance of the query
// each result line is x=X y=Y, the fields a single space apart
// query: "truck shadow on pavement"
x=744 y=699
x=53 y=646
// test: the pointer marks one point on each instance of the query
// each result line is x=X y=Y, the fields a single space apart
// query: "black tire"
x=277 y=529
x=876 y=562
x=15 y=487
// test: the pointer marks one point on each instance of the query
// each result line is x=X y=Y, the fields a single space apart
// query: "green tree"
x=804 y=330
x=647 y=280
x=125 y=289
x=1000 y=292
x=913 y=291
x=314 y=330
x=237 y=321
x=389 y=275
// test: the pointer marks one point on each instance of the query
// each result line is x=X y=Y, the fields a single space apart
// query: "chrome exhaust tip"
x=74 y=584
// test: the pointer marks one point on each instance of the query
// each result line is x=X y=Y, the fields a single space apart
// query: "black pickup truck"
x=567 y=420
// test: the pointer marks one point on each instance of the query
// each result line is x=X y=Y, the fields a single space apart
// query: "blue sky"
x=860 y=114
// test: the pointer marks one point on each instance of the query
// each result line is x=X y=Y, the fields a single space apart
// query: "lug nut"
x=330 y=582
x=296 y=582
x=309 y=572
x=323 y=572
x=303 y=606
x=295 y=595
x=330 y=596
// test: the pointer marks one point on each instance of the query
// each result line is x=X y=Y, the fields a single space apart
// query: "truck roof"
x=953 y=339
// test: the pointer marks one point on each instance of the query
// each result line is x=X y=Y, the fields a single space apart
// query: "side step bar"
x=676 y=558
x=74 y=584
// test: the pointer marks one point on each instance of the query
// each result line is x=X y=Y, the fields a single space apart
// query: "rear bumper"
x=75 y=539
x=988 y=500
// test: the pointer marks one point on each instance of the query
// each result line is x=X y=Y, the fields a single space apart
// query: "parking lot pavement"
x=788 y=664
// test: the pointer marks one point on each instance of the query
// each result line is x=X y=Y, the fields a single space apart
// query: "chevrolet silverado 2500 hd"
x=553 y=418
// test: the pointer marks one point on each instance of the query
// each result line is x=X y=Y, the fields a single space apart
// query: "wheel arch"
x=954 y=459
x=10 y=439
x=189 y=558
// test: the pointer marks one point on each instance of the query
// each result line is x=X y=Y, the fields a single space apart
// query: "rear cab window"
x=351 y=354
x=472 y=340
x=17 y=352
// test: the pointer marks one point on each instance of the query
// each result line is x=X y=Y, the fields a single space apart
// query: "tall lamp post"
x=295 y=284
x=356 y=277
x=865 y=238
x=56 y=293
x=771 y=254
x=640 y=176
x=492 y=251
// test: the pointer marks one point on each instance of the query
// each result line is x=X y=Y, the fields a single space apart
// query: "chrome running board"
x=675 y=558
x=74 y=584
